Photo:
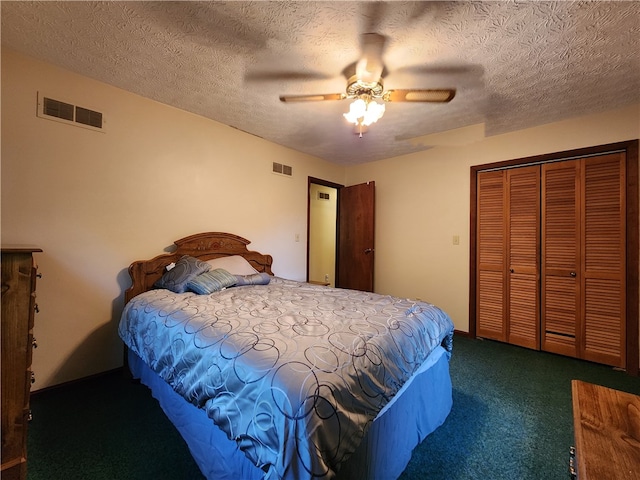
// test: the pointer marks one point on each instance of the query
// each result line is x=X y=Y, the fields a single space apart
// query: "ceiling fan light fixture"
x=364 y=111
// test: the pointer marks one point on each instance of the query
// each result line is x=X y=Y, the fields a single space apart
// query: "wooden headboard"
x=204 y=246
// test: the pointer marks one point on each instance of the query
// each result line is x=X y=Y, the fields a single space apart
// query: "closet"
x=550 y=257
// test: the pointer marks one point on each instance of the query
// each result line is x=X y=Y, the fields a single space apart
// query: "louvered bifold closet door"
x=490 y=253
x=561 y=253
x=523 y=220
x=603 y=282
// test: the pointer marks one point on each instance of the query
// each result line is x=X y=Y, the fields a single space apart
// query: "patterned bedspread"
x=294 y=373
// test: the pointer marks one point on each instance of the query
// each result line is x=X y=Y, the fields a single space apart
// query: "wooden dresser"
x=607 y=433
x=18 y=309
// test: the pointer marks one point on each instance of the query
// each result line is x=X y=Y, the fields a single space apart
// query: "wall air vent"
x=70 y=114
x=281 y=169
x=88 y=117
x=55 y=108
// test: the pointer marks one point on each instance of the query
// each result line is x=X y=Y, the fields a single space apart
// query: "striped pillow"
x=212 y=281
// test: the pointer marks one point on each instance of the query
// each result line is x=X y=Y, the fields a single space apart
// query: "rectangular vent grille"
x=88 y=117
x=323 y=196
x=282 y=169
x=58 y=109
x=70 y=114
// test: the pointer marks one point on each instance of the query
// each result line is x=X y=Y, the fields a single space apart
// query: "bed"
x=268 y=378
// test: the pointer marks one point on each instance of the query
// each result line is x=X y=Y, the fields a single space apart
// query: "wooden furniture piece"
x=18 y=308
x=607 y=433
x=551 y=257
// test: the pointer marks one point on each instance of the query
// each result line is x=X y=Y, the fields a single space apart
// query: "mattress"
x=294 y=374
x=420 y=408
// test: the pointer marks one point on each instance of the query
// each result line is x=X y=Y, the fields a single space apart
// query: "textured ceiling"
x=514 y=64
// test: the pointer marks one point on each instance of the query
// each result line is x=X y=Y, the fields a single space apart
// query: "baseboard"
x=461 y=333
x=73 y=382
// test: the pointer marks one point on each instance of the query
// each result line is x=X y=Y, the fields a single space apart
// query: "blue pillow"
x=261 y=278
x=213 y=281
x=185 y=269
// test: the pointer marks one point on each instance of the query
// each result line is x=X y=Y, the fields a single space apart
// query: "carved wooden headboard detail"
x=204 y=246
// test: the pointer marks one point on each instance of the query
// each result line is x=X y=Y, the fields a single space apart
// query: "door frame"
x=632 y=234
x=324 y=183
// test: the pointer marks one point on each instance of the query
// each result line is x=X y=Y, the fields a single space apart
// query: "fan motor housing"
x=356 y=88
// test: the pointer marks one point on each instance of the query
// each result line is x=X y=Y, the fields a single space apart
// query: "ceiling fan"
x=366 y=85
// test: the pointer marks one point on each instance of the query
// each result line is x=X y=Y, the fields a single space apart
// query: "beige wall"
x=95 y=202
x=422 y=201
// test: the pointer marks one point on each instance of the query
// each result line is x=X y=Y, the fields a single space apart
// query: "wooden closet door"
x=523 y=221
x=561 y=303
x=603 y=282
x=491 y=247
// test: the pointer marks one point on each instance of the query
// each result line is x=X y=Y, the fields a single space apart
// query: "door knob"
x=368 y=250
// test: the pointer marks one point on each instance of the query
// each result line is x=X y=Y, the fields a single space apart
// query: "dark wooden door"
x=355 y=253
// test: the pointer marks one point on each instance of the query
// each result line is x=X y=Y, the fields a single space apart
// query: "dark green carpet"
x=511 y=418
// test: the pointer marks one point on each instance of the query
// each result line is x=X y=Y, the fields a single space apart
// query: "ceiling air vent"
x=70 y=114
x=281 y=169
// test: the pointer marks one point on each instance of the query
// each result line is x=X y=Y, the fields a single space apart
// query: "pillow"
x=184 y=270
x=261 y=278
x=212 y=281
x=234 y=264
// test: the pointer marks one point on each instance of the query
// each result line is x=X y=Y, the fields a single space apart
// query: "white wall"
x=423 y=200
x=95 y=202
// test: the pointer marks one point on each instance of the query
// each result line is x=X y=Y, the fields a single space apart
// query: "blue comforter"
x=294 y=373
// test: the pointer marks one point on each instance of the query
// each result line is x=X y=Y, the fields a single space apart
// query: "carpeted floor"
x=511 y=418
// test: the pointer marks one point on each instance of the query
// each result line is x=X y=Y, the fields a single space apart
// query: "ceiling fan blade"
x=285 y=76
x=433 y=95
x=312 y=98
x=443 y=69
x=369 y=68
x=372 y=15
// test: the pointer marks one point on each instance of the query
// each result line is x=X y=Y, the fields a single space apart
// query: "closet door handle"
x=512 y=270
x=573 y=274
